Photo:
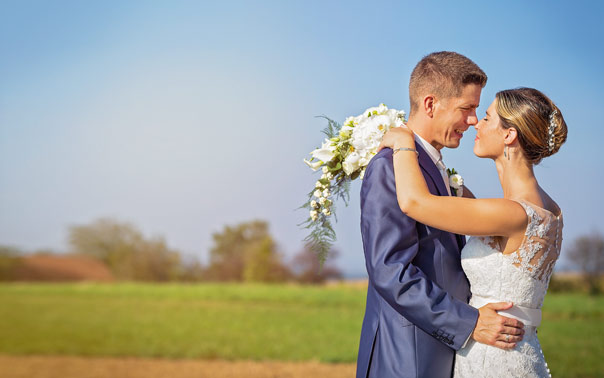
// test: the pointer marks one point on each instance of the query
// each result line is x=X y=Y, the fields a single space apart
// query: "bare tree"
x=309 y=270
x=587 y=253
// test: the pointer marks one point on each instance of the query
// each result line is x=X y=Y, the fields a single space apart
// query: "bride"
x=516 y=239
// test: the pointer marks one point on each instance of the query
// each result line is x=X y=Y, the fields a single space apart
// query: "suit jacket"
x=416 y=315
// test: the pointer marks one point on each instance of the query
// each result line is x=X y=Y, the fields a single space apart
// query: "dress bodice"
x=522 y=276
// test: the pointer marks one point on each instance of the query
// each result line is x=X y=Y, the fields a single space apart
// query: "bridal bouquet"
x=343 y=157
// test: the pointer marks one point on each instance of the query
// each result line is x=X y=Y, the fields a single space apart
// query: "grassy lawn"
x=229 y=321
x=572 y=335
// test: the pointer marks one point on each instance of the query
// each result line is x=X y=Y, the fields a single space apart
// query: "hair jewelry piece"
x=552 y=126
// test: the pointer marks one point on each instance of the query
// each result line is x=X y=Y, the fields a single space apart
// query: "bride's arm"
x=493 y=217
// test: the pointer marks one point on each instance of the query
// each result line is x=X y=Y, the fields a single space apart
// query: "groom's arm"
x=391 y=243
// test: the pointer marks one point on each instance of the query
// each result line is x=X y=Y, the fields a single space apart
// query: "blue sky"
x=184 y=116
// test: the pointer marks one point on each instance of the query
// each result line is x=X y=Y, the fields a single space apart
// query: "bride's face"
x=489 y=135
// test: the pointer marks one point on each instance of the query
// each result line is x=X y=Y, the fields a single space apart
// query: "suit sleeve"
x=390 y=241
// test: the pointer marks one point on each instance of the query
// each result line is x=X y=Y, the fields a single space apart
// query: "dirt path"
x=80 y=367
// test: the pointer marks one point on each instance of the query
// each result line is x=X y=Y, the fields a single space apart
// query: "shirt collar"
x=432 y=152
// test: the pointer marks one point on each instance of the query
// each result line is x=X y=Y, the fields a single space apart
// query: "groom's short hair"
x=443 y=74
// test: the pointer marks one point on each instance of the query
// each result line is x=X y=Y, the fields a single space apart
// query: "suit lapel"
x=461 y=241
x=428 y=165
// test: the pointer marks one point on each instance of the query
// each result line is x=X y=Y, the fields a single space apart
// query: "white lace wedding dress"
x=521 y=277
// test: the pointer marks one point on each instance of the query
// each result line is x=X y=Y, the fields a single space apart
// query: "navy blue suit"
x=417 y=314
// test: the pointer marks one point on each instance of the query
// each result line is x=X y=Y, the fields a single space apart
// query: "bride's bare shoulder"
x=549 y=204
x=542 y=200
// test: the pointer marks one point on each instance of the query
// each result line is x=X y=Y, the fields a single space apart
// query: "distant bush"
x=587 y=254
x=246 y=252
x=566 y=283
x=126 y=251
x=571 y=283
x=9 y=259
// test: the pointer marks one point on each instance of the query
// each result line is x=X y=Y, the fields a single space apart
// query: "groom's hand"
x=496 y=330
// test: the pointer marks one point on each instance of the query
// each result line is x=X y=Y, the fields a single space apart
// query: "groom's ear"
x=429 y=104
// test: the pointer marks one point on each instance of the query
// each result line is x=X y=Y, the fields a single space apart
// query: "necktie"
x=443 y=172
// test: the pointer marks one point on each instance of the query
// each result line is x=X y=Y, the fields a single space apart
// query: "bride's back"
x=523 y=275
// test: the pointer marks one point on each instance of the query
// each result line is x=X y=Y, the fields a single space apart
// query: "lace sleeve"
x=540 y=248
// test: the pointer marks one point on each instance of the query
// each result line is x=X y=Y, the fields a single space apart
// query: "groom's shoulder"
x=382 y=157
x=382 y=161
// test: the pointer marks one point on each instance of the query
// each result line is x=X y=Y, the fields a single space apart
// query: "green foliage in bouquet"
x=322 y=235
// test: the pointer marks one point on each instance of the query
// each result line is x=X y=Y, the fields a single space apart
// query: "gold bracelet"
x=394 y=151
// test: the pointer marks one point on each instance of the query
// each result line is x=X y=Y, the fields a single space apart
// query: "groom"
x=417 y=314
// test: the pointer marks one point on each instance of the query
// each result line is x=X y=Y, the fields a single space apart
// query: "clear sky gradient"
x=184 y=116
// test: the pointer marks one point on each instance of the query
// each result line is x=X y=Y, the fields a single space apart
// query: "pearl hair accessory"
x=552 y=127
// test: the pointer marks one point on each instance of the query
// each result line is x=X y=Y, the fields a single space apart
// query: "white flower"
x=369 y=134
x=314 y=204
x=345 y=132
x=349 y=122
x=325 y=169
x=456 y=184
x=314 y=214
x=326 y=152
x=377 y=110
x=326 y=193
x=326 y=212
x=318 y=184
x=351 y=163
x=363 y=161
x=318 y=193
x=455 y=181
x=366 y=137
x=330 y=176
x=313 y=165
x=322 y=200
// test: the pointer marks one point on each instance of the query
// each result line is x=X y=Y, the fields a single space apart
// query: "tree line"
x=244 y=252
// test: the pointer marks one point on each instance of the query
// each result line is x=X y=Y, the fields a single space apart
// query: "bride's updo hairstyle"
x=538 y=121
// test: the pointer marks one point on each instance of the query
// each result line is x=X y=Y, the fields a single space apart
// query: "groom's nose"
x=472 y=119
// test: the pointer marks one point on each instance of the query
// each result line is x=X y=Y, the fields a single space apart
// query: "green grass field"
x=230 y=321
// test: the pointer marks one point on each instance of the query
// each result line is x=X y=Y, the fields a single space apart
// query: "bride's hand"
x=396 y=137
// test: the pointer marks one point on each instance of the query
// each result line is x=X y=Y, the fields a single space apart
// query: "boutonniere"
x=455 y=182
